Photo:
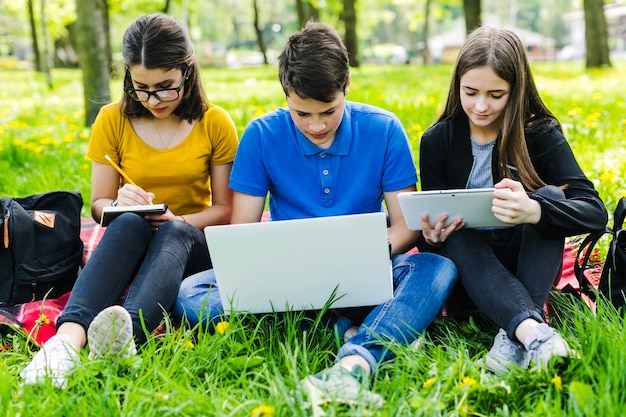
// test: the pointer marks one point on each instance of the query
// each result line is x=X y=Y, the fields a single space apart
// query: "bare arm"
x=247 y=208
x=221 y=201
x=105 y=183
x=401 y=238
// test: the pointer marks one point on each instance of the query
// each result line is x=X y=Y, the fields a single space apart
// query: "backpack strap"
x=619 y=214
x=8 y=317
x=585 y=250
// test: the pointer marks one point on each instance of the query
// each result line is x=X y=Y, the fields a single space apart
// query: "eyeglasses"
x=165 y=94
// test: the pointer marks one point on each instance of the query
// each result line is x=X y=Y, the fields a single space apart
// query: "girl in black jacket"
x=496 y=131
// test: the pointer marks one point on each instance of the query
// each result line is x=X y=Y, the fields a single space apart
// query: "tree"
x=259 y=32
x=306 y=11
x=472 y=14
x=596 y=35
x=33 y=34
x=92 y=41
x=350 y=38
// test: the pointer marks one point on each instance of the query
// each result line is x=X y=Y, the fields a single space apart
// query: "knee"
x=174 y=227
x=550 y=191
x=130 y=221
x=436 y=268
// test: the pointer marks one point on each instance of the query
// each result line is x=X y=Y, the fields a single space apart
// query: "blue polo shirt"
x=371 y=154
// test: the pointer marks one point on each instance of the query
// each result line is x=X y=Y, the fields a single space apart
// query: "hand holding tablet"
x=471 y=205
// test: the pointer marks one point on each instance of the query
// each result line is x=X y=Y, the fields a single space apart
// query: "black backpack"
x=613 y=276
x=40 y=246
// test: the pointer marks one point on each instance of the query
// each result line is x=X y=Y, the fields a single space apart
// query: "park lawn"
x=254 y=365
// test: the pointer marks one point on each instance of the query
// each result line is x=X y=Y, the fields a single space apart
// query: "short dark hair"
x=160 y=41
x=314 y=63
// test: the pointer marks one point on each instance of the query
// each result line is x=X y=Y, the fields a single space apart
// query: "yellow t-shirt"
x=178 y=176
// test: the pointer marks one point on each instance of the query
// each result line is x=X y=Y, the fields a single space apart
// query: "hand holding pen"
x=143 y=196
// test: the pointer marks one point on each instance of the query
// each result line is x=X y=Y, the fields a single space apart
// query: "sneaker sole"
x=111 y=333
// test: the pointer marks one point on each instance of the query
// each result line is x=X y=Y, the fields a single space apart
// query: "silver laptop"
x=302 y=264
x=472 y=205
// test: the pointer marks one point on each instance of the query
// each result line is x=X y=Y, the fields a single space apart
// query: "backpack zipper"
x=6 y=229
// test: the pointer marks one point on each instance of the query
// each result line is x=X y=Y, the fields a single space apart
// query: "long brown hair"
x=503 y=51
x=160 y=41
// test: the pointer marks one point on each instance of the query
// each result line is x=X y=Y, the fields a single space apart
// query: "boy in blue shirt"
x=325 y=156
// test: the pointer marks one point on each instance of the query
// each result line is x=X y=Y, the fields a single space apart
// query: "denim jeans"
x=422 y=283
x=153 y=263
x=507 y=273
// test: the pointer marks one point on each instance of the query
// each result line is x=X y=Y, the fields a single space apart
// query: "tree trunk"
x=259 y=33
x=33 y=34
x=472 y=14
x=596 y=35
x=350 y=38
x=424 y=52
x=92 y=55
x=45 y=53
x=306 y=11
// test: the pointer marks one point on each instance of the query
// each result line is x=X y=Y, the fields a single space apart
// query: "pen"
x=118 y=169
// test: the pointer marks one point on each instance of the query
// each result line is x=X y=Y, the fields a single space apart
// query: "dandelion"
x=557 y=382
x=263 y=410
x=189 y=344
x=608 y=176
x=429 y=383
x=43 y=319
x=221 y=327
x=466 y=382
x=575 y=111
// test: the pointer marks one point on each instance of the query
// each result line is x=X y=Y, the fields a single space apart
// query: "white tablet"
x=471 y=205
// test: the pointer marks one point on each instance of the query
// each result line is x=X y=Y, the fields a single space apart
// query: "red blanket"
x=39 y=317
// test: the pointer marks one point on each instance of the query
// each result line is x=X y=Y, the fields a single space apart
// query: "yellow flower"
x=428 y=383
x=221 y=327
x=466 y=382
x=189 y=344
x=263 y=410
x=557 y=382
x=608 y=176
x=44 y=319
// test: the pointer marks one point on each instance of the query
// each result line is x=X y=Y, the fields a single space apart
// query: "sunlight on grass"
x=252 y=366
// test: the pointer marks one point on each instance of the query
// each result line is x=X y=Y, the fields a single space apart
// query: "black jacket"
x=446 y=162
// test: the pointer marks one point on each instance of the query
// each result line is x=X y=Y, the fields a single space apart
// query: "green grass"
x=257 y=363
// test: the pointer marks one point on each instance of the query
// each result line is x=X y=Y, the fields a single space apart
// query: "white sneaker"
x=546 y=347
x=505 y=354
x=111 y=334
x=55 y=360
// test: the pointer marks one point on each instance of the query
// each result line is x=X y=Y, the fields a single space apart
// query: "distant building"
x=616 y=22
x=445 y=46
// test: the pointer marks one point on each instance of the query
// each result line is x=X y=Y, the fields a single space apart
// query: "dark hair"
x=503 y=51
x=314 y=63
x=160 y=41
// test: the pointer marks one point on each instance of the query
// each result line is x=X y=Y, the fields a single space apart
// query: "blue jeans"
x=508 y=272
x=153 y=263
x=422 y=283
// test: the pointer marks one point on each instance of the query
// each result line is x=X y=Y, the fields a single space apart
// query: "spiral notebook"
x=302 y=264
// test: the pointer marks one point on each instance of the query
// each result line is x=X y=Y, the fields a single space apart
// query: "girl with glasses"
x=175 y=148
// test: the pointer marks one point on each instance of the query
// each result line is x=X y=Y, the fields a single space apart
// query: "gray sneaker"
x=337 y=384
x=546 y=347
x=111 y=334
x=505 y=353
